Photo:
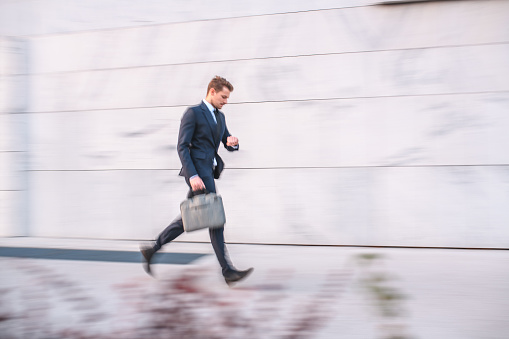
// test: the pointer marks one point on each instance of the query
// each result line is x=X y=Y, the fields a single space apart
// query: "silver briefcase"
x=203 y=211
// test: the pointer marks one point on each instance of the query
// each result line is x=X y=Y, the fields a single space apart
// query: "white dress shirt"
x=211 y=109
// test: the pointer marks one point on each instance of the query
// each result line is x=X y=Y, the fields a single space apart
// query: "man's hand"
x=232 y=141
x=196 y=183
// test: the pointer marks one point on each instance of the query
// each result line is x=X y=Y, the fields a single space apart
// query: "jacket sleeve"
x=187 y=126
x=224 y=139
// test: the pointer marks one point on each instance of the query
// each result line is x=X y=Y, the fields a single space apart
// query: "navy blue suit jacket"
x=198 y=142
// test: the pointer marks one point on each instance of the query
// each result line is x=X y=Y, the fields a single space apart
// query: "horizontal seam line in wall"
x=270 y=101
x=269 y=168
x=360 y=246
x=191 y=21
x=256 y=59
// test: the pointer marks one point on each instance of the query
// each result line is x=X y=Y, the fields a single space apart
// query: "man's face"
x=219 y=99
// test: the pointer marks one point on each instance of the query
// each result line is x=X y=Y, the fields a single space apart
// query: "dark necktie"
x=218 y=128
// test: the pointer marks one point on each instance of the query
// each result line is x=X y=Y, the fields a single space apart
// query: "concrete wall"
x=13 y=137
x=359 y=124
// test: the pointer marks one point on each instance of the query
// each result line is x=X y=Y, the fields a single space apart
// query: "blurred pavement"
x=97 y=288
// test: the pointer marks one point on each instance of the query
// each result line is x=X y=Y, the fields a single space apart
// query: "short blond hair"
x=218 y=83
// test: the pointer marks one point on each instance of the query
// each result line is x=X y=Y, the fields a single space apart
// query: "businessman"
x=202 y=129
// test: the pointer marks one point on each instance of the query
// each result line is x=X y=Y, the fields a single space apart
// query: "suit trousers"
x=176 y=228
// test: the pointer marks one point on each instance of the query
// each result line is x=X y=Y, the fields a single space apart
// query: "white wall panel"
x=355 y=29
x=13 y=57
x=110 y=139
x=13 y=78
x=391 y=73
x=13 y=156
x=14 y=93
x=104 y=204
x=445 y=206
x=12 y=176
x=12 y=213
x=429 y=206
x=391 y=131
x=24 y=17
x=11 y=128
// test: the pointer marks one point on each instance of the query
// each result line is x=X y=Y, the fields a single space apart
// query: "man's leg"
x=174 y=229
x=217 y=241
x=217 y=234
x=230 y=274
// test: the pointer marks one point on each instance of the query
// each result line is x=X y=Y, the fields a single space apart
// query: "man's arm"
x=187 y=126
x=230 y=142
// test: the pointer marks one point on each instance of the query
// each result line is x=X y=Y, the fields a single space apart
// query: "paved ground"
x=67 y=288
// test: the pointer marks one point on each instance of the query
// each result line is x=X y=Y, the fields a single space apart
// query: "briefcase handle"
x=198 y=192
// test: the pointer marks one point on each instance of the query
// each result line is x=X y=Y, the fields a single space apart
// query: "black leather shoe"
x=147 y=252
x=231 y=276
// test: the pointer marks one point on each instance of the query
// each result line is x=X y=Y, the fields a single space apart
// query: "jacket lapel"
x=208 y=117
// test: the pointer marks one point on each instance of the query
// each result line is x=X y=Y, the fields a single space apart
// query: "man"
x=202 y=129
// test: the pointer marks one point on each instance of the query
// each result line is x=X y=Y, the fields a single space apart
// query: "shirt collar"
x=209 y=106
